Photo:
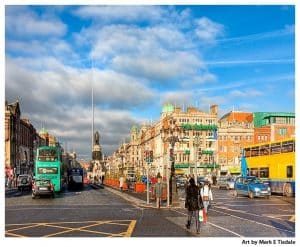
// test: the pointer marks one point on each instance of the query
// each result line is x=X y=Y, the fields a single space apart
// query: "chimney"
x=214 y=109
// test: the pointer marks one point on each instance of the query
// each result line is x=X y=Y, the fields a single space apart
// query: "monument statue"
x=96 y=138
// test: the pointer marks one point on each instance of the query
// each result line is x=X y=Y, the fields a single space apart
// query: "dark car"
x=42 y=187
x=181 y=181
x=24 y=181
x=251 y=186
x=202 y=180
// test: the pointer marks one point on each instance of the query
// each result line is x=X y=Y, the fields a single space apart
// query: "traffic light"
x=151 y=156
x=146 y=155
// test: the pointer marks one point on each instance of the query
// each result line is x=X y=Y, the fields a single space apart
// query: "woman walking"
x=193 y=203
x=206 y=195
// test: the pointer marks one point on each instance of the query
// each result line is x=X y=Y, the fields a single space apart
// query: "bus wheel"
x=251 y=195
x=287 y=190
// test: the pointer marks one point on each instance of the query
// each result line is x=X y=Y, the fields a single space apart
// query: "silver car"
x=225 y=183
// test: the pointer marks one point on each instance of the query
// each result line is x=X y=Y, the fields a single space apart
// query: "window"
x=254 y=151
x=264 y=172
x=289 y=171
x=275 y=148
x=287 y=147
x=253 y=172
x=282 y=131
x=264 y=150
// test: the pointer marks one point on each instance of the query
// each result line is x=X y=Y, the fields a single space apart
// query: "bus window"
x=275 y=148
x=253 y=172
x=287 y=147
x=247 y=152
x=264 y=150
x=289 y=171
x=254 y=151
x=264 y=172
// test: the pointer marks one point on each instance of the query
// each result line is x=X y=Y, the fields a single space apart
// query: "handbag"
x=201 y=215
x=205 y=198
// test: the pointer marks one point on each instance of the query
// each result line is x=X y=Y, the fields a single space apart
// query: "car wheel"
x=251 y=195
x=235 y=193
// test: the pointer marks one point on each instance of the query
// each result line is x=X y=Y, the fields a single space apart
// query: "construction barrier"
x=139 y=187
x=164 y=191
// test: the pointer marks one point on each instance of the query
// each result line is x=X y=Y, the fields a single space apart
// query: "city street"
x=109 y=213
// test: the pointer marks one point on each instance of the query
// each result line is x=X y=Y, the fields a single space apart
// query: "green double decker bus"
x=48 y=165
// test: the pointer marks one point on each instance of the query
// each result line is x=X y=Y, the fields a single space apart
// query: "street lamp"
x=196 y=145
x=171 y=138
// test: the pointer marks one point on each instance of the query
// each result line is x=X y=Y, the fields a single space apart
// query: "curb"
x=136 y=201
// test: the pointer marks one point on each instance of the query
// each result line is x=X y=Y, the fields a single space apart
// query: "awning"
x=179 y=172
x=234 y=169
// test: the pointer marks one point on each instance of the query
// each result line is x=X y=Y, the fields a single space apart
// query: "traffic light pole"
x=148 y=182
x=148 y=158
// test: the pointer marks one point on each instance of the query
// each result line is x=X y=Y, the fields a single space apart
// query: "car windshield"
x=255 y=181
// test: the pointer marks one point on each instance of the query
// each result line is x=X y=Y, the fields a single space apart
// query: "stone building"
x=20 y=136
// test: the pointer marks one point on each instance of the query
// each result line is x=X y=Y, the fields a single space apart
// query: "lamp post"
x=172 y=139
x=196 y=145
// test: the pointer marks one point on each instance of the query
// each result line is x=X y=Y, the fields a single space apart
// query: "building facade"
x=236 y=130
x=273 y=126
x=186 y=138
x=20 y=136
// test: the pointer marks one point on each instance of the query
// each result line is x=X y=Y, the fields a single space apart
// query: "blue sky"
x=140 y=57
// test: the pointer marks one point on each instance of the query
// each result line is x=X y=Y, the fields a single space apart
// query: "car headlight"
x=269 y=188
x=256 y=189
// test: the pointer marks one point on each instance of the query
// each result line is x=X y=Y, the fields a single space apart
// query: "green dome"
x=43 y=131
x=168 y=108
x=134 y=128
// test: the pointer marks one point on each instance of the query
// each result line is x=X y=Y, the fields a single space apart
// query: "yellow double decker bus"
x=273 y=162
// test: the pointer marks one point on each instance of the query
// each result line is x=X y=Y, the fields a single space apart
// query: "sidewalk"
x=139 y=199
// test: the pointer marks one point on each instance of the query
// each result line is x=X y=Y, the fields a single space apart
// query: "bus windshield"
x=47 y=155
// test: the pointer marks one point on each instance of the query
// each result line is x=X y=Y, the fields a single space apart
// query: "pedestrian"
x=158 y=192
x=193 y=203
x=206 y=195
x=121 y=180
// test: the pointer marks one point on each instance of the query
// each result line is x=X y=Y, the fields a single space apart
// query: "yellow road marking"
x=293 y=218
x=25 y=227
x=130 y=228
x=70 y=229
x=14 y=235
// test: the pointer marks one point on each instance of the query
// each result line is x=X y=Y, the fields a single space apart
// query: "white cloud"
x=27 y=23
x=120 y=13
x=207 y=30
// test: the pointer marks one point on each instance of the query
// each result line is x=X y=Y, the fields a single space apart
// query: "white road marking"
x=253 y=221
x=217 y=226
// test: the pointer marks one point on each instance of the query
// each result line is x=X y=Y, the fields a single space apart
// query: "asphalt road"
x=109 y=213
